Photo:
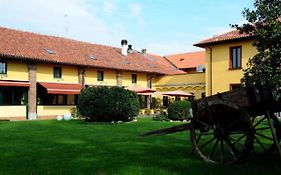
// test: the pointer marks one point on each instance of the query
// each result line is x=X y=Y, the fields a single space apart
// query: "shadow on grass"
x=51 y=147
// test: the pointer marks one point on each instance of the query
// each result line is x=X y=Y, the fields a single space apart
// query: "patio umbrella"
x=179 y=93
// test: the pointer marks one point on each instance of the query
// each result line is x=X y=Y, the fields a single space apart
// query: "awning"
x=61 y=88
x=141 y=90
x=15 y=83
x=177 y=93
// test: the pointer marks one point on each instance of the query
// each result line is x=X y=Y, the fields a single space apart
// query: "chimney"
x=124 y=45
x=143 y=51
x=130 y=49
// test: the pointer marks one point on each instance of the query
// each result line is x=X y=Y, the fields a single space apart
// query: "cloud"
x=109 y=6
x=135 y=13
x=68 y=18
x=135 y=10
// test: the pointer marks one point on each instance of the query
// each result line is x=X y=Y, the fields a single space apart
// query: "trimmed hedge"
x=106 y=104
x=179 y=110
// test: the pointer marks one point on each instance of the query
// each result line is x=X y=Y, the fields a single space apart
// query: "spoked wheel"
x=264 y=142
x=222 y=133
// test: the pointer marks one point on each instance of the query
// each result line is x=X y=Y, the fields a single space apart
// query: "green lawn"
x=61 y=147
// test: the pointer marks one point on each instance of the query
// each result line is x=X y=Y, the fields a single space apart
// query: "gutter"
x=211 y=70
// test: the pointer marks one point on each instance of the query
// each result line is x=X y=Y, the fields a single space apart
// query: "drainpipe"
x=211 y=70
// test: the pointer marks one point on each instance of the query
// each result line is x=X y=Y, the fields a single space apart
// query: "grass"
x=73 y=147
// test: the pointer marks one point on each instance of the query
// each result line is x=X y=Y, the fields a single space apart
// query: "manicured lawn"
x=61 y=147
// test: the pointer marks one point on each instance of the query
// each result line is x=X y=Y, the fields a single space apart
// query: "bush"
x=106 y=104
x=179 y=110
x=162 y=116
x=74 y=112
x=148 y=111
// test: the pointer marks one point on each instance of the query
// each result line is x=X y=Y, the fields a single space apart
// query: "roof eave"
x=23 y=58
x=205 y=44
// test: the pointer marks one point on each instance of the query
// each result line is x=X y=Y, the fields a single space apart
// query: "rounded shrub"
x=179 y=110
x=162 y=116
x=106 y=104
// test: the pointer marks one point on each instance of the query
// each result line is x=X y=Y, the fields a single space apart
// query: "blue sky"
x=162 y=27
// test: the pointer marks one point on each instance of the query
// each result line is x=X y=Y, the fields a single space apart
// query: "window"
x=235 y=86
x=57 y=72
x=134 y=78
x=165 y=101
x=235 y=57
x=49 y=51
x=3 y=67
x=13 y=96
x=203 y=95
x=58 y=99
x=52 y=99
x=100 y=75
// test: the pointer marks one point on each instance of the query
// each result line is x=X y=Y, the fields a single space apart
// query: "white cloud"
x=109 y=6
x=48 y=17
x=135 y=10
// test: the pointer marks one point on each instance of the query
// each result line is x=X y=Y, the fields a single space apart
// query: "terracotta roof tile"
x=188 y=60
x=229 y=36
x=31 y=46
x=164 y=61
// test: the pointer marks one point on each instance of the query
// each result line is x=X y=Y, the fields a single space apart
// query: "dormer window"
x=92 y=57
x=49 y=51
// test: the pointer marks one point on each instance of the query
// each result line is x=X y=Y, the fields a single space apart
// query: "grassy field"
x=73 y=147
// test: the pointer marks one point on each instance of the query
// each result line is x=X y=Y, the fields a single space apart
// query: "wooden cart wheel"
x=264 y=142
x=221 y=132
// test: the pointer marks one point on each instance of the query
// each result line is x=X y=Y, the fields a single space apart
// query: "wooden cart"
x=227 y=127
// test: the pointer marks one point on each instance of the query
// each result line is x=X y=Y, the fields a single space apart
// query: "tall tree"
x=264 y=22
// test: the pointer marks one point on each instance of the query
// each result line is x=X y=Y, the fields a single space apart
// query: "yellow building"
x=193 y=83
x=226 y=56
x=41 y=76
x=180 y=86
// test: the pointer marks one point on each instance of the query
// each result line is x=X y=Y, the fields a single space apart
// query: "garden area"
x=78 y=147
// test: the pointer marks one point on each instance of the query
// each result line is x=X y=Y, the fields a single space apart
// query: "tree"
x=264 y=22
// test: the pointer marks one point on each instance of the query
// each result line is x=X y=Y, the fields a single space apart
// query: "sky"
x=163 y=27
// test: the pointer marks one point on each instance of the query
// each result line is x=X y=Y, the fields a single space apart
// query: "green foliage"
x=162 y=116
x=156 y=103
x=179 y=110
x=74 y=112
x=148 y=111
x=106 y=104
x=264 y=23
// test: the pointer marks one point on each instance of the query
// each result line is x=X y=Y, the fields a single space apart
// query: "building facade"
x=193 y=81
x=41 y=76
x=226 y=57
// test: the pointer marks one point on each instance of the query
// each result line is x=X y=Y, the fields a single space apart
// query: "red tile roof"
x=229 y=36
x=16 y=44
x=187 y=60
x=164 y=61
